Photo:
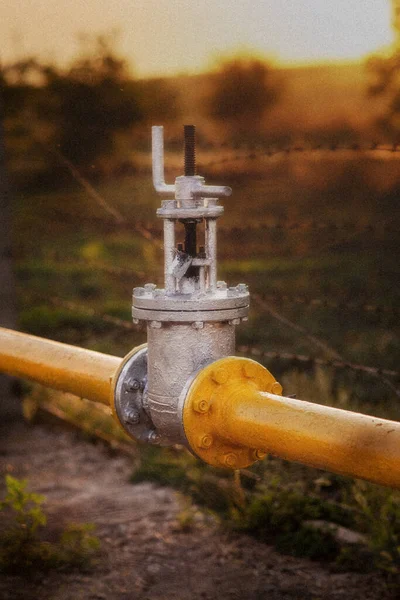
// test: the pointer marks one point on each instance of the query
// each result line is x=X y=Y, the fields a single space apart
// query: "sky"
x=166 y=37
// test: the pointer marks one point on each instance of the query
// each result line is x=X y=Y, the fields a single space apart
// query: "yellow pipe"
x=231 y=419
x=319 y=436
x=85 y=373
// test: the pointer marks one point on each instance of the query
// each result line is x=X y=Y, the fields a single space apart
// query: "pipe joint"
x=210 y=401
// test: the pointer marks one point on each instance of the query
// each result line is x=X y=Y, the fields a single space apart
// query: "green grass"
x=61 y=236
x=23 y=544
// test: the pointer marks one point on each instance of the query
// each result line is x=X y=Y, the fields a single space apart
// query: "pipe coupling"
x=208 y=405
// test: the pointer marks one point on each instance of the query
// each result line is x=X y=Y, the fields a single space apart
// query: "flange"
x=208 y=401
x=129 y=395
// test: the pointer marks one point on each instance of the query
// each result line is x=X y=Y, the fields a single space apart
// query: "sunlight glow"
x=174 y=36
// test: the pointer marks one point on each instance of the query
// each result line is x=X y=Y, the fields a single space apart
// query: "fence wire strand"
x=77 y=308
x=285 y=225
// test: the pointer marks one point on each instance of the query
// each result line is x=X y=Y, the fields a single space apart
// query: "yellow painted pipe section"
x=319 y=436
x=233 y=416
x=85 y=373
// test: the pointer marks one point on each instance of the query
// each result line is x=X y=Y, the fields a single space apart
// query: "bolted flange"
x=128 y=398
x=207 y=405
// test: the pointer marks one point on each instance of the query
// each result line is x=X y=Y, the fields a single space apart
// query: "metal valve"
x=191 y=320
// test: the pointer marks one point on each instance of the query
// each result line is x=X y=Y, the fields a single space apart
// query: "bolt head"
x=198 y=325
x=206 y=441
x=149 y=287
x=138 y=291
x=276 y=388
x=132 y=416
x=250 y=369
x=155 y=324
x=154 y=438
x=220 y=375
x=234 y=322
x=230 y=460
x=201 y=406
x=133 y=385
x=259 y=454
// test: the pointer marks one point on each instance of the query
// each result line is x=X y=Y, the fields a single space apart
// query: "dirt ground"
x=144 y=553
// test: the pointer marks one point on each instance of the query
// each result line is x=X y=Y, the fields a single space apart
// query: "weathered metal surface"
x=175 y=352
x=192 y=320
x=128 y=401
x=60 y=366
x=232 y=412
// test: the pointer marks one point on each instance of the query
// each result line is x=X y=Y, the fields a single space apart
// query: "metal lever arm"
x=157 y=150
x=196 y=188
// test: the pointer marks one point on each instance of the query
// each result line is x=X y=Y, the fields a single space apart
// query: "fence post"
x=10 y=408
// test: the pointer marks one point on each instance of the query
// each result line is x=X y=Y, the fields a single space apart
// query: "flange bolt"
x=132 y=416
x=206 y=441
x=230 y=460
x=201 y=406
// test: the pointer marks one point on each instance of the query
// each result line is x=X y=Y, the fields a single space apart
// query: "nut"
x=276 y=388
x=138 y=291
x=198 y=325
x=154 y=438
x=132 y=416
x=220 y=375
x=230 y=460
x=206 y=441
x=250 y=369
x=201 y=405
x=242 y=288
x=133 y=385
x=259 y=454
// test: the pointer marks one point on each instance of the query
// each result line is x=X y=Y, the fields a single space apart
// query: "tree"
x=88 y=103
x=242 y=90
x=386 y=83
x=9 y=407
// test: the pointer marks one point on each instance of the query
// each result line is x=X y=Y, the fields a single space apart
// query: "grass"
x=61 y=236
x=23 y=544
x=281 y=504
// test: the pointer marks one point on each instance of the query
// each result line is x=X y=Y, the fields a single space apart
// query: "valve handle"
x=196 y=187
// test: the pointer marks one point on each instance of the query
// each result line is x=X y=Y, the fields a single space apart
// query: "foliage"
x=89 y=102
x=385 y=70
x=379 y=517
x=76 y=113
x=242 y=90
x=280 y=509
x=21 y=547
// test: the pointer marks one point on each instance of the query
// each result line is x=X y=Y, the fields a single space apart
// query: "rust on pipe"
x=85 y=373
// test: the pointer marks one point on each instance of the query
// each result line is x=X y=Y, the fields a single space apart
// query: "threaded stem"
x=190 y=149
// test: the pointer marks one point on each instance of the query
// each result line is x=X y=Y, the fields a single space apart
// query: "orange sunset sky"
x=165 y=37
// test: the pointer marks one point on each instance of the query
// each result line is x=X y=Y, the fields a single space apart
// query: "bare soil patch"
x=145 y=554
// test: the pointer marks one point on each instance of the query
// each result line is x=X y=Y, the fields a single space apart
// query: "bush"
x=21 y=547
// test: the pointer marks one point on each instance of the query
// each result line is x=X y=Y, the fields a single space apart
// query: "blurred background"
x=297 y=107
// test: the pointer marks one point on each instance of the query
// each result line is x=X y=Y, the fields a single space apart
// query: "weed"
x=21 y=546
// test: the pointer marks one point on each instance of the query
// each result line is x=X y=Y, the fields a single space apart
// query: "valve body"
x=191 y=320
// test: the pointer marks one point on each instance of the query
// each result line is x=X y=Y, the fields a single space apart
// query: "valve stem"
x=190 y=150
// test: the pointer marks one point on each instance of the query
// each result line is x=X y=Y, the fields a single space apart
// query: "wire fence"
x=77 y=307
x=380 y=312
x=114 y=218
x=262 y=151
